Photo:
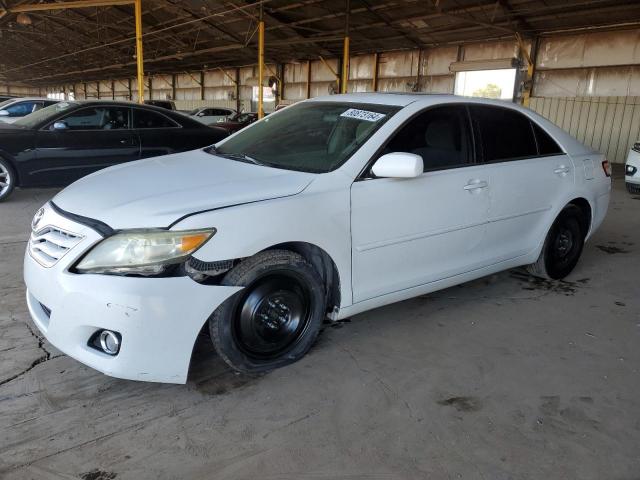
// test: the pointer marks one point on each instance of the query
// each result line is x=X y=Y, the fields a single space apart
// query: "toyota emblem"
x=36 y=219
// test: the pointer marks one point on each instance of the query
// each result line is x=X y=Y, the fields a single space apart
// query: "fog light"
x=631 y=170
x=109 y=342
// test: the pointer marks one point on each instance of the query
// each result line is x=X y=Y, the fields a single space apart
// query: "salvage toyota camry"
x=325 y=209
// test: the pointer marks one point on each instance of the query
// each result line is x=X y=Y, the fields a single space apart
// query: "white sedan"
x=209 y=115
x=632 y=169
x=16 y=108
x=328 y=208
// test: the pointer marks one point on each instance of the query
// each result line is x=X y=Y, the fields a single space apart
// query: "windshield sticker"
x=363 y=115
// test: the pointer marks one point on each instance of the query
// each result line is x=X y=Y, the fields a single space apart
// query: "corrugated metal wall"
x=608 y=124
x=20 y=90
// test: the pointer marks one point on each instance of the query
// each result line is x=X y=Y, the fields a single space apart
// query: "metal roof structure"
x=98 y=42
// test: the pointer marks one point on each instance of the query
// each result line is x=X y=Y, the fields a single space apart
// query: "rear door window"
x=148 y=119
x=502 y=134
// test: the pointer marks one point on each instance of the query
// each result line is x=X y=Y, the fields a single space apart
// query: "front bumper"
x=632 y=168
x=158 y=318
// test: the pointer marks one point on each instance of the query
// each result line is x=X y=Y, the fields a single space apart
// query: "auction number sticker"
x=363 y=115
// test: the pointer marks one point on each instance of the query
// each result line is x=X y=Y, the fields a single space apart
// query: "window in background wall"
x=60 y=96
x=486 y=83
x=268 y=96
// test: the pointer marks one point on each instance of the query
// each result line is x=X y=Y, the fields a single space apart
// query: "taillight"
x=607 y=168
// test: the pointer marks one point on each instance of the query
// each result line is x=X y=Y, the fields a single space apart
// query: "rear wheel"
x=7 y=179
x=275 y=319
x=562 y=247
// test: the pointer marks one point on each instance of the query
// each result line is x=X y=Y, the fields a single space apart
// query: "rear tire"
x=8 y=179
x=562 y=247
x=275 y=319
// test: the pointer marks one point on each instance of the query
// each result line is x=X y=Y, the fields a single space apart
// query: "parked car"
x=209 y=115
x=237 y=122
x=632 y=169
x=61 y=143
x=327 y=208
x=16 y=108
x=166 y=104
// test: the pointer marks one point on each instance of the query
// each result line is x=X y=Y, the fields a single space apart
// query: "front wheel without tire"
x=275 y=319
x=562 y=247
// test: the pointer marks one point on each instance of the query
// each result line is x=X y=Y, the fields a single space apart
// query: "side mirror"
x=60 y=125
x=398 y=165
x=4 y=113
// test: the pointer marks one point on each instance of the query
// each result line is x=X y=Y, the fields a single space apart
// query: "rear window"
x=502 y=134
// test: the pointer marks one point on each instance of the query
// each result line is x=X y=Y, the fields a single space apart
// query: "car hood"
x=158 y=191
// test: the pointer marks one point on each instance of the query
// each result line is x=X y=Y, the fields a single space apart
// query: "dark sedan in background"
x=61 y=143
x=236 y=122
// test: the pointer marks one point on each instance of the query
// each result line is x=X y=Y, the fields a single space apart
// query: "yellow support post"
x=376 y=67
x=308 y=78
x=260 y=65
x=345 y=66
x=531 y=63
x=345 y=55
x=139 y=54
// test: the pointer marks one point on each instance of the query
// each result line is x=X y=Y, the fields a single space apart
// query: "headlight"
x=142 y=252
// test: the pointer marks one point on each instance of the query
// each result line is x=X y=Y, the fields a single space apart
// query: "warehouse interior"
x=585 y=56
x=504 y=377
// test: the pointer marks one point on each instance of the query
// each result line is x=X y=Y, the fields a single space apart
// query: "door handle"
x=475 y=185
x=561 y=170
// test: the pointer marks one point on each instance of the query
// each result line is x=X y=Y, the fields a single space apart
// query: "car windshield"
x=312 y=137
x=42 y=116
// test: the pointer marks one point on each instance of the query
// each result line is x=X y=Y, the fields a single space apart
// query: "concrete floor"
x=502 y=378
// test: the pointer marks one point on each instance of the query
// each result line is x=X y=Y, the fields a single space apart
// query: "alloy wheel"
x=5 y=179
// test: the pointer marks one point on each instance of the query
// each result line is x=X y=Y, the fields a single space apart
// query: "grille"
x=50 y=244
x=46 y=310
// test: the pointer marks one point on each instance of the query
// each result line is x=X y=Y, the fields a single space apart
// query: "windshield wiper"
x=242 y=157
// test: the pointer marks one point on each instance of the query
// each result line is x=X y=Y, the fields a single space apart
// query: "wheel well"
x=584 y=206
x=324 y=265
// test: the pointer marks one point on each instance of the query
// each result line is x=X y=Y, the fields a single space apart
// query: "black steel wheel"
x=274 y=313
x=275 y=319
x=563 y=245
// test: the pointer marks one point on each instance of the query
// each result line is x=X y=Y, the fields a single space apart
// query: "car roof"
x=120 y=103
x=22 y=99
x=402 y=99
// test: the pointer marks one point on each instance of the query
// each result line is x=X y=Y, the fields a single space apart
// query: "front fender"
x=321 y=218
